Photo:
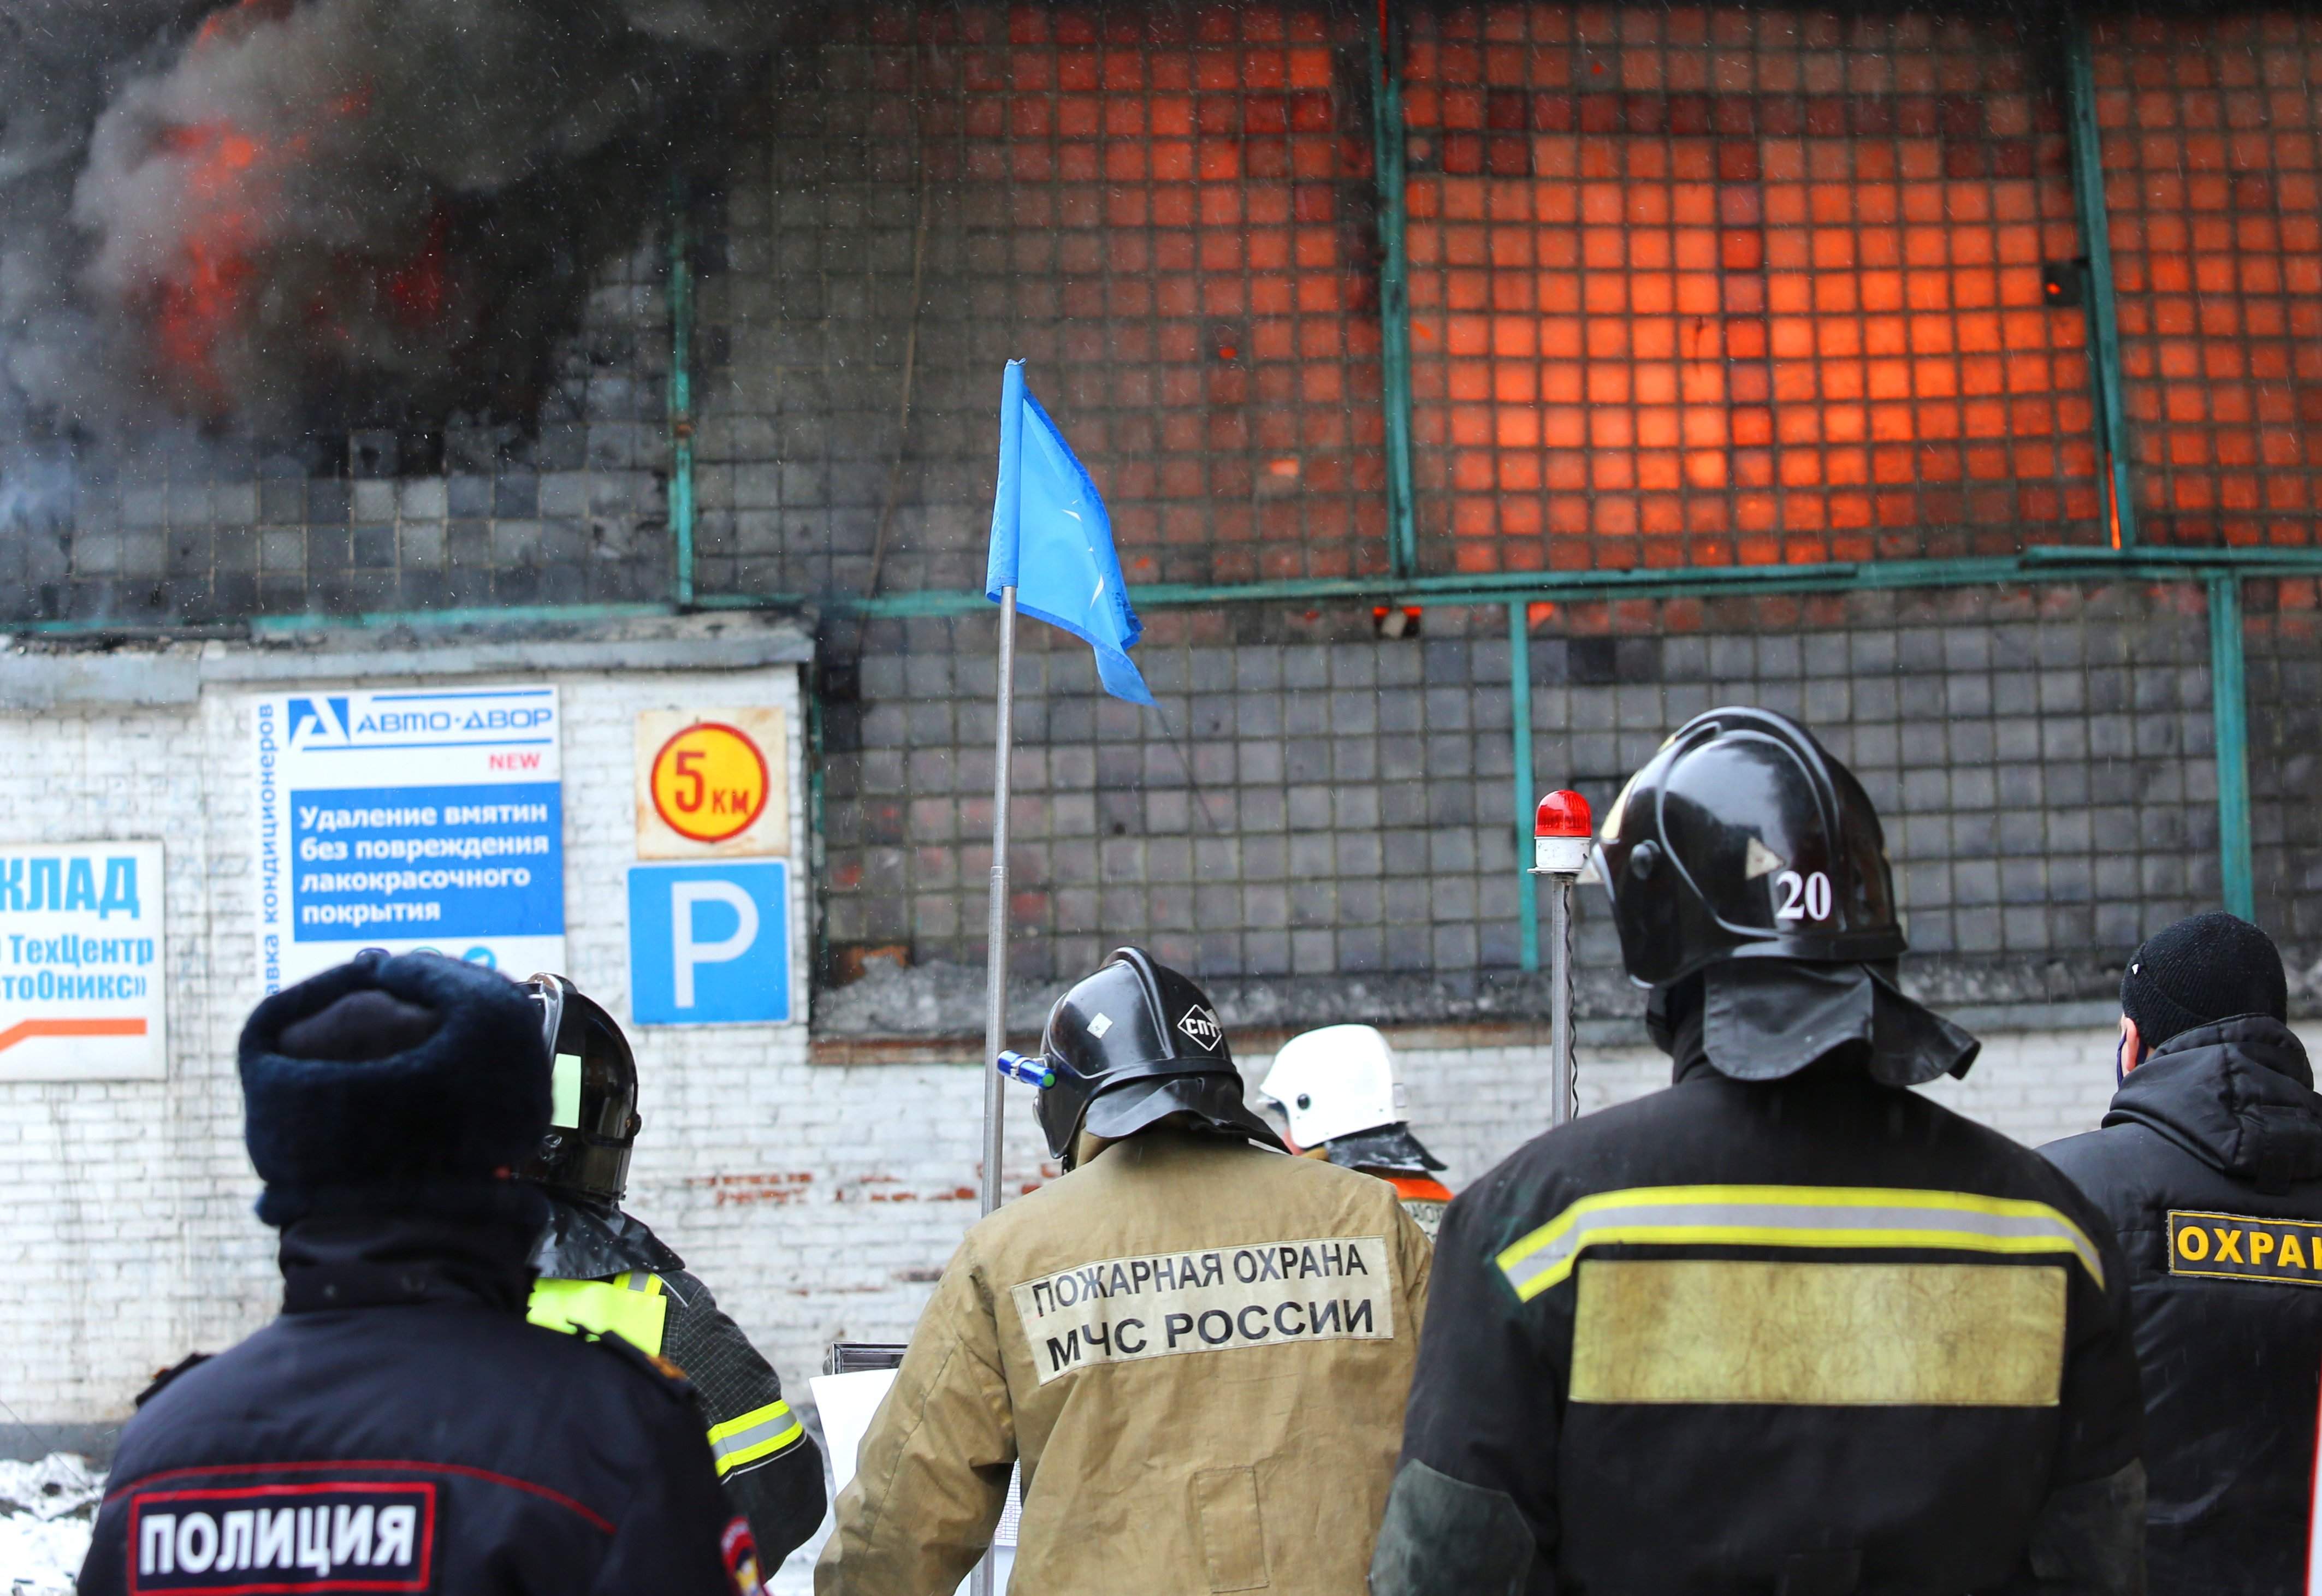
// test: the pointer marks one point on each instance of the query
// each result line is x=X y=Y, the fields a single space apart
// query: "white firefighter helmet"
x=1335 y=1081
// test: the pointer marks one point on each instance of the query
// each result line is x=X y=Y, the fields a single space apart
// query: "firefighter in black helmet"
x=602 y=1270
x=1196 y=1347
x=1787 y=1327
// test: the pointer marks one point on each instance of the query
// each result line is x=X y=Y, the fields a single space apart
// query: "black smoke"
x=287 y=217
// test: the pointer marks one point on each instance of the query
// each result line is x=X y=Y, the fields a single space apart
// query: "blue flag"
x=1052 y=542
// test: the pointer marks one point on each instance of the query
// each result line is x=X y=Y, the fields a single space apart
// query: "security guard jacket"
x=401 y=1427
x=772 y=1471
x=1810 y=1337
x=2210 y=1164
x=1198 y=1350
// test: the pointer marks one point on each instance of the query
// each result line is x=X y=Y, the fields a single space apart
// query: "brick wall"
x=561 y=508
x=2285 y=715
x=1695 y=287
x=1688 y=286
x=1319 y=812
x=1166 y=211
x=128 y=1202
x=816 y=1209
x=2212 y=148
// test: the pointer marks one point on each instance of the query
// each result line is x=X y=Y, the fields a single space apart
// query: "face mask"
x=2120 y=1064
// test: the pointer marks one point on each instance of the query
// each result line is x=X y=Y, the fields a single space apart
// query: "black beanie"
x=404 y=1072
x=2200 y=971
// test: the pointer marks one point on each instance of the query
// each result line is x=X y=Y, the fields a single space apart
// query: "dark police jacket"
x=2210 y=1165
x=1810 y=1335
x=401 y=1427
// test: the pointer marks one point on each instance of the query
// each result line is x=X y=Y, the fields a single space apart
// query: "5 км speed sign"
x=712 y=783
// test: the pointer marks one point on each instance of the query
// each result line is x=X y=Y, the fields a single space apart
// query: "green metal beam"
x=681 y=393
x=2095 y=245
x=1520 y=732
x=473 y=616
x=2230 y=722
x=2050 y=565
x=1394 y=294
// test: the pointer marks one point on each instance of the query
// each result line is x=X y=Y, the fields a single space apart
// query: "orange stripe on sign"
x=25 y=1030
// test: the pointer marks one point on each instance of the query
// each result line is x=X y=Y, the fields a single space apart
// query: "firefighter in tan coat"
x=1198 y=1348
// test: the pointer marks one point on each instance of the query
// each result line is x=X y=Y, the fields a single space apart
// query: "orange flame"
x=211 y=296
x=194 y=307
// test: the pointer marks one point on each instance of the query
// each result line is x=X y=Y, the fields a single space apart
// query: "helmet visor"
x=592 y=1113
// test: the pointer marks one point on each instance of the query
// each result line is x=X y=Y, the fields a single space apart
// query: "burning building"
x=1478 y=389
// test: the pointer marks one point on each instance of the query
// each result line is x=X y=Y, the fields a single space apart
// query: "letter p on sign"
x=709 y=944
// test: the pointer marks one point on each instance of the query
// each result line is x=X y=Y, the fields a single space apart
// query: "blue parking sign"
x=710 y=944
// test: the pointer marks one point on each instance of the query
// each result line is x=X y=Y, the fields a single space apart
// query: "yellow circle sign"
x=709 y=783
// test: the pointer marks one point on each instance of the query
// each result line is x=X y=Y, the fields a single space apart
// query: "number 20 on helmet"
x=1743 y=838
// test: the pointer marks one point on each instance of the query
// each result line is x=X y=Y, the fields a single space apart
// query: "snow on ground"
x=45 y=1508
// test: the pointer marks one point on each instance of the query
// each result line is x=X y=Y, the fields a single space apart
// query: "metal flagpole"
x=995 y=996
x=1559 y=998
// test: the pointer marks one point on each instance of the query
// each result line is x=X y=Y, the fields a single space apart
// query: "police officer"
x=1197 y=1348
x=1339 y=1089
x=1787 y=1327
x=602 y=1269
x=2210 y=1166
x=400 y=1427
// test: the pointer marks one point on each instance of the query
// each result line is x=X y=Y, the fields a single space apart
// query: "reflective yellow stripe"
x=638 y=1315
x=1791 y=1216
x=1729 y=1330
x=754 y=1436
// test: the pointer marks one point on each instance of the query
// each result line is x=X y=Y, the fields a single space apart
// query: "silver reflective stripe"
x=639 y=1281
x=1791 y=1216
x=728 y=1450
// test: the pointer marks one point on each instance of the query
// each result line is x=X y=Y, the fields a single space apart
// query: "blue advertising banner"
x=410 y=820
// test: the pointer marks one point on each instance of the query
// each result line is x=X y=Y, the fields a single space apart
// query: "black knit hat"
x=392 y=1076
x=2201 y=970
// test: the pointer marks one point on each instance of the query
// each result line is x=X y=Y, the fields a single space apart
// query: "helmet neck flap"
x=1765 y=1019
x=588 y=1239
x=1391 y=1148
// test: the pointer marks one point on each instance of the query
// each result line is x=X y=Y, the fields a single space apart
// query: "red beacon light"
x=1560 y=833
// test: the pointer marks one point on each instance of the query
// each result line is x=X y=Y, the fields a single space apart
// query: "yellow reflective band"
x=752 y=1438
x=636 y=1315
x=1675 y=1330
x=1791 y=1216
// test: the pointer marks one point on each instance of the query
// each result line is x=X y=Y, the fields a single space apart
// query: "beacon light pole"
x=1560 y=831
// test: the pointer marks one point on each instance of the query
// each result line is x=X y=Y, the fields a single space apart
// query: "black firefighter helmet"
x=1743 y=838
x=1132 y=1044
x=594 y=1120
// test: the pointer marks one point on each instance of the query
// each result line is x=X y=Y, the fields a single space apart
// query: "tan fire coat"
x=1199 y=1350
